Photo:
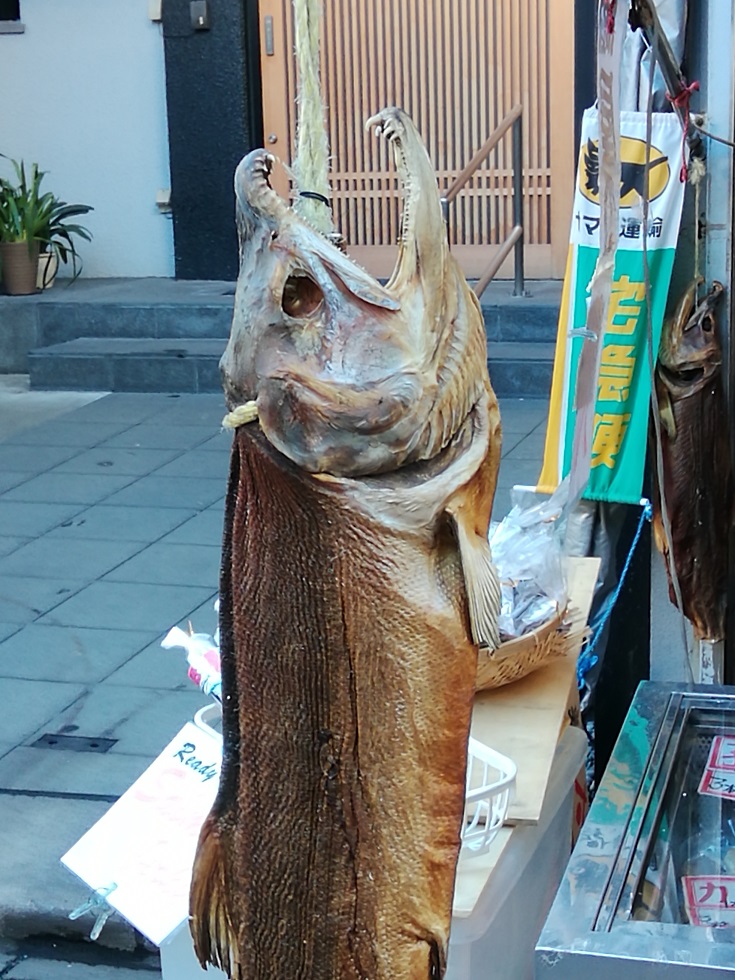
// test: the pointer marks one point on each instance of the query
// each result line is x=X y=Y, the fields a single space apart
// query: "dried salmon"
x=697 y=464
x=356 y=584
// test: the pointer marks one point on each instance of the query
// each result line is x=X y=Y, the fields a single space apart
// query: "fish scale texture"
x=332 y=846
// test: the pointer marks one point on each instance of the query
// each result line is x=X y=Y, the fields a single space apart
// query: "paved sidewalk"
x=110 y=529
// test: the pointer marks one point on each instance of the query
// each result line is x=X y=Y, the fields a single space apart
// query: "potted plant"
x=32 y=221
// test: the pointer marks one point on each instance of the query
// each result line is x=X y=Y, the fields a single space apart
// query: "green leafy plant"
x=28 y=214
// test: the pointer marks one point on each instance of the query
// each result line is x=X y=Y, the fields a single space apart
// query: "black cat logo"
x=632 y=171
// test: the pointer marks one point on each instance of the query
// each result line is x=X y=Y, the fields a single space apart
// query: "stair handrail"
x=514 y=240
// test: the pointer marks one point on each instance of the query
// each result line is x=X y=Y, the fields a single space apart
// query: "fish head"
x=347 y=374
x=299 y=300
x=690 y=351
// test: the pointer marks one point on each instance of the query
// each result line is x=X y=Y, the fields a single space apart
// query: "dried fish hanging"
x=692 y=457
x=693 y=467
x=357 y=584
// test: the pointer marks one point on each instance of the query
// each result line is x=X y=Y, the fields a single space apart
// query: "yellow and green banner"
x=619 y=434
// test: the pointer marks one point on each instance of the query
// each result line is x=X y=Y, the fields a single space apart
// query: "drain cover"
x=73 y=743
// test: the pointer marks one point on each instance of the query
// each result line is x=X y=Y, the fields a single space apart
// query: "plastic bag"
x=202 y=654
x=527 y=549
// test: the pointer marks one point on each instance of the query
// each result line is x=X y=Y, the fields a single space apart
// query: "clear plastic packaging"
x=527 y=549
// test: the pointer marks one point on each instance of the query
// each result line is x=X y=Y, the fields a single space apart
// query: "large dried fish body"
x=330 y=853
x=697 y=467
x=357 y=582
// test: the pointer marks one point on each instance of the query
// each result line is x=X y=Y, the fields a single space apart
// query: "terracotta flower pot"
x=20 y=267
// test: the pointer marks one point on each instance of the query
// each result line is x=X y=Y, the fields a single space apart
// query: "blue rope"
x=588 y=658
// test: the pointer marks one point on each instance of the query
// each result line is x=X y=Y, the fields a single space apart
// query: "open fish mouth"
x=351 y=377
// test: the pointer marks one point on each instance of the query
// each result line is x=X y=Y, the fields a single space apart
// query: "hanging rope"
x=681 y=101
x=311 y=165
x=697 y=171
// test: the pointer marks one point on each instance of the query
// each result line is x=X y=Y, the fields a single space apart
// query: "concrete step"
x=530 y=318
x=521 y=370
x=168 y=335
x=169 y=364
x=191 y=364
x=166 y=308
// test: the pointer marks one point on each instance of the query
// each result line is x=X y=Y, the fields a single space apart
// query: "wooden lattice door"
x=457 y=66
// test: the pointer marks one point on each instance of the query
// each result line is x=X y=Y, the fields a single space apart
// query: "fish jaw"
x=350 y=377
x=422 y=247
x=690 y=351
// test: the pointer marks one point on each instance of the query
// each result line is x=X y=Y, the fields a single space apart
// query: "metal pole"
x=445 y=215
x=518 y=289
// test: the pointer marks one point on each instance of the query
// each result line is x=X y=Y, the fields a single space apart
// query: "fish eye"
x=301 y=296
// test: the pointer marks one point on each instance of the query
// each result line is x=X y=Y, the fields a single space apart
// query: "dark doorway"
x=214 y=118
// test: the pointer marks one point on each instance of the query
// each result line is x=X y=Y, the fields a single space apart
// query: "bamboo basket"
x=520 y=656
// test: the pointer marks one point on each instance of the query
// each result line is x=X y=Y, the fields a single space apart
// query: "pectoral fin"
x=666 y=413
x=481 y=581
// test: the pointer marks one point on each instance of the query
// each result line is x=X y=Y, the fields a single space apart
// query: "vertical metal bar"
x=445 y=215
x=518 y=287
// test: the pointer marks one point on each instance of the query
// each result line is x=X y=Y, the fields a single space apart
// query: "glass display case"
x=652 y=878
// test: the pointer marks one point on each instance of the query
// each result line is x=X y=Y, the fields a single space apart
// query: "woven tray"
x=518 y=657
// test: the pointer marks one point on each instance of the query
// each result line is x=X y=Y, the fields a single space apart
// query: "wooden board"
x=524 y=720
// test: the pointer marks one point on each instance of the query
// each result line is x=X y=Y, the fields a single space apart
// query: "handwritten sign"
x=710 y=900
x=145 y=843
x=718 y=778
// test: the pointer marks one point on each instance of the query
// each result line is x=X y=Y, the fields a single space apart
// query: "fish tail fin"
x=211 y=921
x=482 y=583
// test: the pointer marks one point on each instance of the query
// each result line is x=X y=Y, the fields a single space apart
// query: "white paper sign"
x=145 y=843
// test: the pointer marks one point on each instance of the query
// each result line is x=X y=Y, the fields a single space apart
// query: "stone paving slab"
x=69 y=488
x=200 y=463
x=29 y=706
x=133 y=462
x=127 y=605
x=220 y=441
x=203 y=410
x=45 y=558
x=160 y=436
x=46 y=956
x=122 y=407
x=158 y=668
x=12 y=478
x=531 y=447
x=23 y=598
x=9 y=545
x=31 y=520
x=142 y=719
x=70 y=654
x=108 y=523
x=68 y=432
x=33 y=459
x=205 y=528
x=36 y=891
x=8 y=629
x=49 y=770
x=176 y=564
x=159 y=491
x=43 y=969
x=523 y=416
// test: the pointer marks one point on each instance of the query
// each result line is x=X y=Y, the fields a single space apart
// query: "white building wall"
x=82 y=93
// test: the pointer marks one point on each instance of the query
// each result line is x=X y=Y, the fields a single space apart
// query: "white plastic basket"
x=490 y=780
